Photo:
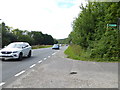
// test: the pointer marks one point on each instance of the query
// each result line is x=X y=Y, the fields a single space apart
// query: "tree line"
x=91 y=31
x=33 y=38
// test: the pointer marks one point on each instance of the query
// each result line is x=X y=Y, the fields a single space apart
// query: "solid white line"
x=45 y=58
x=2 y=83
x=39 y=61
x=32 y=65
x=19 y=73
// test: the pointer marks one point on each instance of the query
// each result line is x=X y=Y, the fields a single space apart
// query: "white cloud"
x=47 y=16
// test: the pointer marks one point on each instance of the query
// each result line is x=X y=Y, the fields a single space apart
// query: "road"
x=11 y=67
x=49 y=68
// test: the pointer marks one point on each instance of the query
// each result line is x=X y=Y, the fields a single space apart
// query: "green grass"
x=77 y=53
x=41 y=46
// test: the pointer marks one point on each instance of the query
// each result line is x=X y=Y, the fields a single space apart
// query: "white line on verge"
x=32 y=65
x=40 y=61
x=2 y=83
x=19 y=73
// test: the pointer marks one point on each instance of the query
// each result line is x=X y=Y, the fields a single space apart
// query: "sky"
x=53 y=17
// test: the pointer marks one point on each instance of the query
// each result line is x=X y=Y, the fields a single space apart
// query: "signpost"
x=118 y=38
x=0 y=35
x=111 y=27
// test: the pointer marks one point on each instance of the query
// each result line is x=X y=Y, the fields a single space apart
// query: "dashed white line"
x=32 y=65
x=45 y=58
x=40 y=61
x=48 y=56
x=2 y=83
x=19 y=73
x=53 y=53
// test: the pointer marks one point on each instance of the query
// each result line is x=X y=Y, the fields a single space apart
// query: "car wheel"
x=20 y=56
x=29 y=54
x=3 y=59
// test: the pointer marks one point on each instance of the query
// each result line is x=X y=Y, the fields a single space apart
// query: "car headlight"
x=15 y=51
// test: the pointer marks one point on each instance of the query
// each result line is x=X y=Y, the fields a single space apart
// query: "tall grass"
x=77 y=53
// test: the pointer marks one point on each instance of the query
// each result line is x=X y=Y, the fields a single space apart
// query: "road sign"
x=112 y=25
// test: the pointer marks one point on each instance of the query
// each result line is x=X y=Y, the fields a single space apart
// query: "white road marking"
x=40 y=61
x=32 y=65
x=48 y=56
x=53 y=53
x=19 y=73
x=45 y=58
x=2 y=83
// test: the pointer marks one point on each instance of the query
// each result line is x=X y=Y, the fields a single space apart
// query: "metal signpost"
x=0 y=34
x=0 y=47
x=111 y=27
x=118 y=38
x=116 y=27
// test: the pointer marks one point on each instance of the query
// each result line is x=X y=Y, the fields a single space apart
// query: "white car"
x=16 y=50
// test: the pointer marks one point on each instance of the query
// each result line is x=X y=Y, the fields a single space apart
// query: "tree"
x=38 y=37
x=7 y=36
x=90 y=29
x=48 y=39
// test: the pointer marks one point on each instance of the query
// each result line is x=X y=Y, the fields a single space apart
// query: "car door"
x=25 y=50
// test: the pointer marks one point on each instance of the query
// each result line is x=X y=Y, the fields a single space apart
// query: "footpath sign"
x=111 y=27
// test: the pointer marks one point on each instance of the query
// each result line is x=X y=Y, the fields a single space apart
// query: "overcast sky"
x=53 y=17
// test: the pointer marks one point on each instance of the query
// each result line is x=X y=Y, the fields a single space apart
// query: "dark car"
x=56 y=46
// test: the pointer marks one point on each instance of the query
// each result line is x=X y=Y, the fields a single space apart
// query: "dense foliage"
x=63 y=41
x=34 y=37
x=91 y=33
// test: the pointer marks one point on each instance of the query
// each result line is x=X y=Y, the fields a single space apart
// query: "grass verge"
x=77 y=53
x=41 y=46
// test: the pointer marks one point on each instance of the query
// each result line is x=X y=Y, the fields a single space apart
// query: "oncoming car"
x=56 y=46
x=16 y=50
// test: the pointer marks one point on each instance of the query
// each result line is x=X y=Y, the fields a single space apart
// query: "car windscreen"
x=14 y=45
x=55 y=45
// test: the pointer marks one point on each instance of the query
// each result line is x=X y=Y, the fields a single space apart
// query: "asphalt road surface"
x=11 y=67
x=49 y=68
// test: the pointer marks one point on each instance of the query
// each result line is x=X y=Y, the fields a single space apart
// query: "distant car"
x=56 y=46
x=16 y=50
x=60 y=45
x=66 y=44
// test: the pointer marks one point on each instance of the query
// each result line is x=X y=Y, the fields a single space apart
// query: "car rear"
x=55 y=46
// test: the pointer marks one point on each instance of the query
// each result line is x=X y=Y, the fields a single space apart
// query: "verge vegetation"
x=41 y=46
x=91 y=37
x=77 y=53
